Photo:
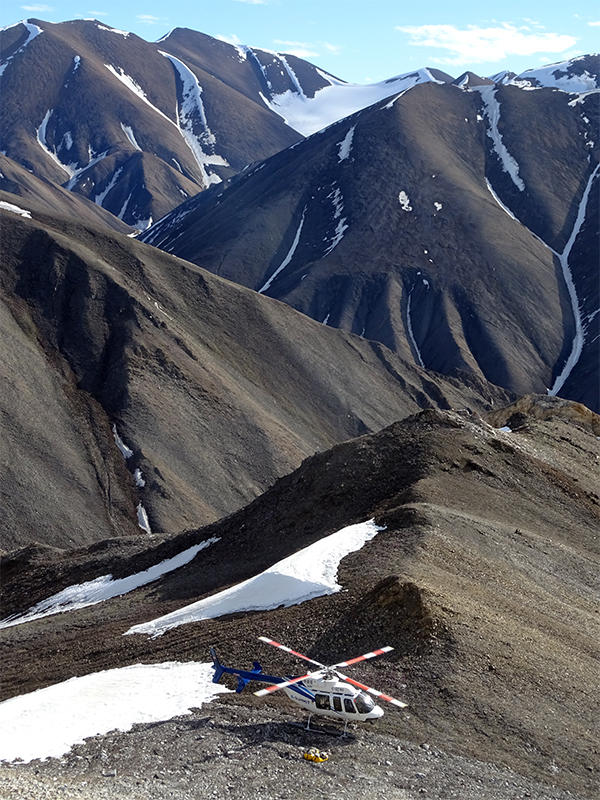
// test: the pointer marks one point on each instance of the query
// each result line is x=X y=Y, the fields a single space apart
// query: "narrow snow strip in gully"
x=101 y=197
x=43 y=143
x=288 y=258
x=411 y=335
x=73 y=171
x=81 y=595
x=134 y=87
x=47 y=723
x=191 y=107
x=33 y=30
x=292 y=75
x=128 y=131
x=492 y=112
x=338 y=207
x=309 y=573
x=579 y=338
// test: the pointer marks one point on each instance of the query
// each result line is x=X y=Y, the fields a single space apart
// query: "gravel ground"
x=231 y=750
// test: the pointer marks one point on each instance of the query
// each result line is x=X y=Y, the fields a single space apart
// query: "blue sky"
x=360 y=40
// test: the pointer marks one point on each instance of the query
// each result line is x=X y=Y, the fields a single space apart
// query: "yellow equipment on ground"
x=316 y=755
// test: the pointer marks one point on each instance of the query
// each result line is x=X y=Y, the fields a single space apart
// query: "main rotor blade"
x=379 y=652
x=289 y=650
x=276 y=686
x=370 y=690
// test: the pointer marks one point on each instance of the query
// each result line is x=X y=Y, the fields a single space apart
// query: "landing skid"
x=324 y=731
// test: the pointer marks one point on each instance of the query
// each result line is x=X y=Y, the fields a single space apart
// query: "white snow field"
x=47 y=723
x=338 y=100
x=309 y=573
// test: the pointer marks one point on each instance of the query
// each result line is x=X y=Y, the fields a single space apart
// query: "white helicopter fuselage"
x=334 y=698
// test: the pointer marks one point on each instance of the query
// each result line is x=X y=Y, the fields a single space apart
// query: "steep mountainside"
x=451 y=223
x=215 y=390
x=114 y=118
x=484 y=580
x=19 y=184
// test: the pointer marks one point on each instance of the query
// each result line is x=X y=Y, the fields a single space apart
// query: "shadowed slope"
x=216 y=390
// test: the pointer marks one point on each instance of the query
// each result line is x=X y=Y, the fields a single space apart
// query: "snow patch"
x=104 y=588
x=127 y=453
x=309 y=573
x=100 y=198
x=15 y=209
x=67 y=141
x=142 y=517
x=336 y=101
x=346 y=145
x=139 y=478
x=404 y=201
x=142 y=224
x=556 y=76
x=125 y=34
x=338 y=207
x=47 y=723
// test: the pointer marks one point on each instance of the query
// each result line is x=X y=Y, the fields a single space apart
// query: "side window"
x=337 y=703
x=322 y=701
x=349 y=706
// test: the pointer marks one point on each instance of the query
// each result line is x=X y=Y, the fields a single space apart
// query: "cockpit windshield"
x=364 y=703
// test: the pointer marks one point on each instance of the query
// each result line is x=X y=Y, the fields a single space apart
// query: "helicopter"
x=323 y=692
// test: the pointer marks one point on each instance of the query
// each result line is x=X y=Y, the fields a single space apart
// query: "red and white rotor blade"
x=375 y=653
x=370 y=690
x=289 y=650
x=276 y=686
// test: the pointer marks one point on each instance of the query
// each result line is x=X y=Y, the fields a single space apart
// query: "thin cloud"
x=37 y=8
x=254 y=2
x=149 y=18
x=334 y=49
x=231 y=39
x=299 y=49
x=594 y=24
x=479 y=45
x=534 y=22
x=98 y=13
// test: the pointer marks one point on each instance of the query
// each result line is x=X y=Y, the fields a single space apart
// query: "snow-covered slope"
x=48 y=722
x=307 y=115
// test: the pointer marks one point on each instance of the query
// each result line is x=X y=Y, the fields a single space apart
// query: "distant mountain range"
x=448 y=228
x=453 y=220
x=457 y=223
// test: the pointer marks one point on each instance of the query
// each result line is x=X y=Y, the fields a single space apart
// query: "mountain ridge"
x=488 y=549
x=419 y=231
